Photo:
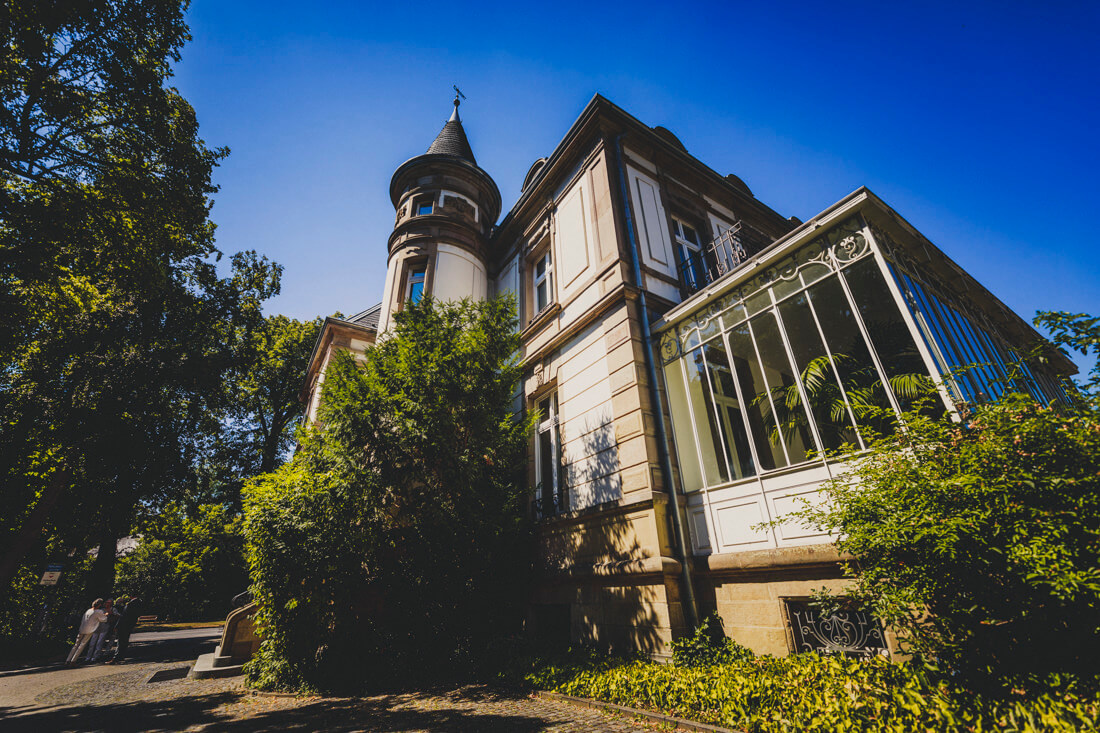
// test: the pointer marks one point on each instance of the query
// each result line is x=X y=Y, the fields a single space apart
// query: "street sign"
x=50 y=577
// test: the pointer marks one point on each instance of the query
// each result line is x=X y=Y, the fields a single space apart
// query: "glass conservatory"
x=820 y=341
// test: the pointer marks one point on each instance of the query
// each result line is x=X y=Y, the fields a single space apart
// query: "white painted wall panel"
x=736 y=523
x=572 y=237
x=581 y=304
x=458 y=275
x=662 y=288
x=651 y=222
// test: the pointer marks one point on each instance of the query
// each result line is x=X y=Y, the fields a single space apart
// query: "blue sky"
x=977 y=123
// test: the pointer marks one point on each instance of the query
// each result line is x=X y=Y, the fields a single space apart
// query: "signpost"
x=53 y=572
x=49 y=577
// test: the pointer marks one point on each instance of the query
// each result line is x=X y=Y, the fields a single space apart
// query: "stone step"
x=206 y=667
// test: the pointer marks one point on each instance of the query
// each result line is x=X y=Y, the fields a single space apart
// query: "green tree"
x=1078 y=332
x=396 y=537
x=117 y=326
x=263 y=408
x=980 y=541
x=188 y=565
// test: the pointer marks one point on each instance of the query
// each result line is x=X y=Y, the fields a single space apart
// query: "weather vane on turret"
x=458 y=93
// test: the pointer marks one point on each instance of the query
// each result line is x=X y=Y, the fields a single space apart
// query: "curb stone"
x=677 y=723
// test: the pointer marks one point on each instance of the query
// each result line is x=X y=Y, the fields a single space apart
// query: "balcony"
x=551 y=505
x=732 y=247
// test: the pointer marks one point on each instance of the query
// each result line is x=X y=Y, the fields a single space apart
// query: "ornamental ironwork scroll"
x=848 y=632
x=837 y=248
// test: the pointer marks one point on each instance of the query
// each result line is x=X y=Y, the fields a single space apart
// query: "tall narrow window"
x=548 y=479
x=692 y=267
x=543 y=281
x=414 y=290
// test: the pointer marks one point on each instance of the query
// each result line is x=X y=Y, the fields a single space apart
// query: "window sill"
x=540 y=319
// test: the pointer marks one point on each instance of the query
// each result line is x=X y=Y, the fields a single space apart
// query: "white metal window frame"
x=714 y=327
x=417 y=275
x=548 y=423
x=546 y=277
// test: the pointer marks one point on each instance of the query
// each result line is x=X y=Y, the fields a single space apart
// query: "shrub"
x=395 y=544
x=980 y=542
x=808 y=692
x=708 y=646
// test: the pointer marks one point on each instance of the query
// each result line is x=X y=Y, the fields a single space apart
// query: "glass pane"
x=690 y=476
x=889 y=334
x=818 y=375
x=540 y=296
x=691 y=235
x=944 y=345
x=416 y=291
x=424 y=209
x=702 y=405
x=546 y=465
x=851 y=357
x=790 y=416
x=735 y=439
x=540 y=267
x=754 y=389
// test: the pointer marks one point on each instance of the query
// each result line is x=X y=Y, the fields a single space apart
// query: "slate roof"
x=451 y=140
x=368 y=318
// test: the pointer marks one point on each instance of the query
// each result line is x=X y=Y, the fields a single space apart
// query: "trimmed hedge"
x=807 y=692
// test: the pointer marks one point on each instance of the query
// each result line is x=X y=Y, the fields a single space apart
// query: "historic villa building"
x=687 y=346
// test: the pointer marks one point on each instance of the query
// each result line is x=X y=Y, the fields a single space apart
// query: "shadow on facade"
x=600 y=569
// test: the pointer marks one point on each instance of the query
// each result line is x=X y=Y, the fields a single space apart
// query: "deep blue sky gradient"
x=978 y=123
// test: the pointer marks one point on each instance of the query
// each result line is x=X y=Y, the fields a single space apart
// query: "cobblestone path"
x=105 y=698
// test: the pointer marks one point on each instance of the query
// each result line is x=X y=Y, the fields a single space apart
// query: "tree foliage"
x=262 y=408
x=1078 y=332
x=395 y=542
x=980 y=541
x=117 y=328
x=187 y=565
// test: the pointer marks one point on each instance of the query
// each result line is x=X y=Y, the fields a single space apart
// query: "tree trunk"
x=101 y=581
x=31 y=531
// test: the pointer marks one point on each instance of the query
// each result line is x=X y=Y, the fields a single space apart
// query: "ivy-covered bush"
x=980 y=541
x=395 y=543
x=808 y=692
x=708 y=646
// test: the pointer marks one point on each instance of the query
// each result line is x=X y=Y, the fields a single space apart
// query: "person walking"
x=95 y=646
x=93 y=617
x=125 y=626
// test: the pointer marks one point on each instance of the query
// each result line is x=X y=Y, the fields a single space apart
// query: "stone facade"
x=617 y=233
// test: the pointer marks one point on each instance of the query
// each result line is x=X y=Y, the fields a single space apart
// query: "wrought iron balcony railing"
x=726 y=252
x=550 y=505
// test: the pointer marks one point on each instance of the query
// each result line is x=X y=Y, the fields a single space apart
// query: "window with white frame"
x=542 y=281
x=693 y=268
x=414 y=285
x=549 y=495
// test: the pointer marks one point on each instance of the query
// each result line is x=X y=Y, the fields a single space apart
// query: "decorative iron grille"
x=550 y=505
x=728 y=250
x=848 y=632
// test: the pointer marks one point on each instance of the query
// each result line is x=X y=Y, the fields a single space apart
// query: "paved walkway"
x=121 y=698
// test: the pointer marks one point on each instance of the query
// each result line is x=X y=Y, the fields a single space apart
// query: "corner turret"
x=446 y=206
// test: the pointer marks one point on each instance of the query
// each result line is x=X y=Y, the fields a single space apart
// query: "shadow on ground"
x=468 y=709
x=148 y=649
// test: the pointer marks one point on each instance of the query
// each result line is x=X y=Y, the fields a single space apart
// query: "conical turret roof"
x=451 y=140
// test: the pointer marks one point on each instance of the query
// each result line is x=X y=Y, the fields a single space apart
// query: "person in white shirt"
x=93 y=617
x=95 y=646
